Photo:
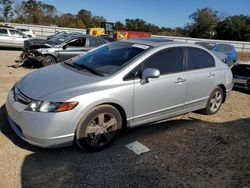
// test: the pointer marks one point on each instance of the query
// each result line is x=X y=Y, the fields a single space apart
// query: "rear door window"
x=166 y=61
x=94 y=42
x=199 y=59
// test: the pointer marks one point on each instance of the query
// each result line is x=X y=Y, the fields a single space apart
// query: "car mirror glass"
x=149 y=73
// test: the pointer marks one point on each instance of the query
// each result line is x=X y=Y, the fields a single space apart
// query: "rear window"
x=3 y=32
x=198 y=59
x=223 y=48
x=219 y=48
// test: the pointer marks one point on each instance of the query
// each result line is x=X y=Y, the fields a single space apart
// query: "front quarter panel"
x=120 y=94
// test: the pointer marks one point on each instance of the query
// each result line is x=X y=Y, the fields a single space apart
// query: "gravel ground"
x=192 y=150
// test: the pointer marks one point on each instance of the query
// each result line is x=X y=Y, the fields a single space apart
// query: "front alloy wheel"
x=98 y=129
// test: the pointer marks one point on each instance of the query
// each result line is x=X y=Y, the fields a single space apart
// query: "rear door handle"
x=211 y=75
x=179 y=80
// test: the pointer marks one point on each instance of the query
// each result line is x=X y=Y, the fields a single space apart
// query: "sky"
x=167 y=13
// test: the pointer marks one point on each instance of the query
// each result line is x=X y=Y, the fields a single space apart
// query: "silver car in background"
x=121 y=84
x=11 y=38
x=59 y=48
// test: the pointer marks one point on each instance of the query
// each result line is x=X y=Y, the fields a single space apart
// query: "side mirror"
x=64 y=47
x=149 y=73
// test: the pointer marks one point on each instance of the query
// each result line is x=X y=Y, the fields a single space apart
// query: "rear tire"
x=48 y=60
x=98 y=129
x=214 y=102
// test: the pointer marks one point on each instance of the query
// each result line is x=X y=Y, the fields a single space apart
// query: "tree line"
x=205 y=23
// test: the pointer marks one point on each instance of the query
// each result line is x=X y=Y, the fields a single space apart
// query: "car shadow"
x=184 y=152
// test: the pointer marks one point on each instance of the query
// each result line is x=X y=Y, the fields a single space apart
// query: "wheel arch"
x=46 y=55
x=224 y=92
x=114 y=103
x=121 y=111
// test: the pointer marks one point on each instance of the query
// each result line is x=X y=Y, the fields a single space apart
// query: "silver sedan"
x=89 y=99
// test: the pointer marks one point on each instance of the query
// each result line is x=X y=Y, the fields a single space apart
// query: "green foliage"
x=234 y=28
x=35 y=12
x=204 y=23
x=7 y=9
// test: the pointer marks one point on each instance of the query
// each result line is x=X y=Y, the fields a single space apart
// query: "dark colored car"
x=59 y=48
x=223 y=48
x=241 y=75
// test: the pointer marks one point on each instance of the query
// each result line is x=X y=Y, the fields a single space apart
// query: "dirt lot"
x=244 y=56
x=188 y=151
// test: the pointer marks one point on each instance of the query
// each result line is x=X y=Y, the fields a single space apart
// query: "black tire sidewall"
x=83 y=123
x=45 y=60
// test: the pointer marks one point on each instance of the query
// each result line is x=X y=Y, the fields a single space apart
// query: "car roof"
x=71 y=36
x=150 y=41
x=76 y=35
x=213 y=43
x=158 y=42
x=6 y=27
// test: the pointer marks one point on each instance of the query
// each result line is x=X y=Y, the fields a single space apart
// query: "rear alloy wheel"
x=215 y=101
x=98 y=129
x=48 y=60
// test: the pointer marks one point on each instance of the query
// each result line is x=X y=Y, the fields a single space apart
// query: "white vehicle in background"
x=27 y=32
x=11 y=38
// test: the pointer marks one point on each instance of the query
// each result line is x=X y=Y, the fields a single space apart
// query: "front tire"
x=214 y=102
x=48 y=60
x=98 y=129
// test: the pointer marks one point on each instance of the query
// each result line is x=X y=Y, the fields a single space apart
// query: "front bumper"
x=47 y=130
x=31 y=56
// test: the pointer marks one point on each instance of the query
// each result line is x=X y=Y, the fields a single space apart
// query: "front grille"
x=20 y=97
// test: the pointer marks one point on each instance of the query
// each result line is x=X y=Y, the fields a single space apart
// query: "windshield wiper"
x=72 y=65
x=77 y=66
x=90 y=69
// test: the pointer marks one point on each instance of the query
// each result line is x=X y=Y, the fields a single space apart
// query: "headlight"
x=45 y=106
x=43 y=50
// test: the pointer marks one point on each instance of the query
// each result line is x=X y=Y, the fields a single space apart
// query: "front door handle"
x=211 y=75
x=180 y=80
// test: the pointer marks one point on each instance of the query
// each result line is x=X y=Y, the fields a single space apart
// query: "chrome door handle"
x=211 y=75
x=179 y=80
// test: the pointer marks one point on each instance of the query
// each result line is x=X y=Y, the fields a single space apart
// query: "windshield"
x=110 y=58
x=59 y=39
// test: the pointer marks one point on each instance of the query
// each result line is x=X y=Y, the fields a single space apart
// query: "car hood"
x=33 y=44
x=47 y=81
